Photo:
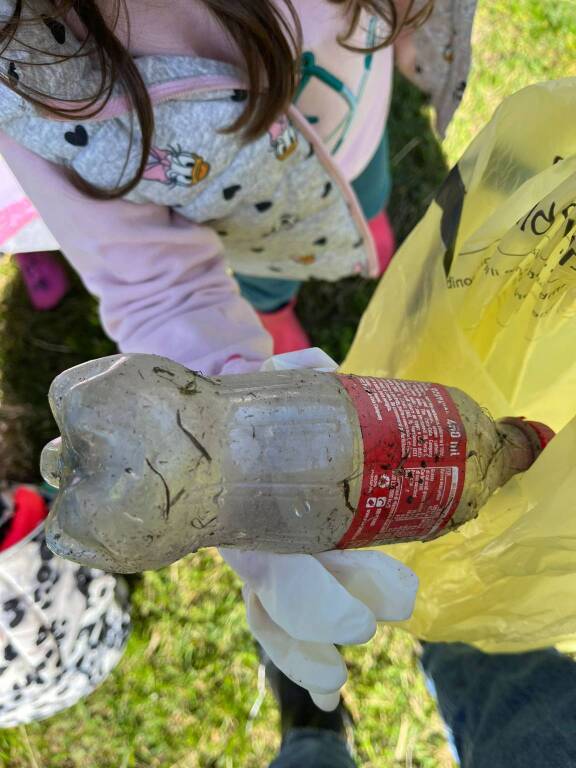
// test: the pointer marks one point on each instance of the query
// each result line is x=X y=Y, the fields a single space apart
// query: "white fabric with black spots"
x=63 y=628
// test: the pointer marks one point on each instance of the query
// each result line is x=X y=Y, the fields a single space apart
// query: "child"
x=168 y=148
x=63 y=627
x=161 y=150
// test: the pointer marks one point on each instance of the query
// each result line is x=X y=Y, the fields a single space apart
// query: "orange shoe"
x=285 y=329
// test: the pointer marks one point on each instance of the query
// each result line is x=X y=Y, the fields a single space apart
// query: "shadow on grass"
x=36 y=346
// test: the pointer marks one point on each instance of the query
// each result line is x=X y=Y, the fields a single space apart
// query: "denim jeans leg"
x=506 y=710
x=313 y=748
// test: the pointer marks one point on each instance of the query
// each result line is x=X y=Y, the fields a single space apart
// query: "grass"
x=181 y=698
x=516 y=43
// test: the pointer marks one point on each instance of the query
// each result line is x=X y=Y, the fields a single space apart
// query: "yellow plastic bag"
x=482 y=296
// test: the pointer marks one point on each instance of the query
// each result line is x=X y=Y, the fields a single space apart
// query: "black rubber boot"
x=297 y=710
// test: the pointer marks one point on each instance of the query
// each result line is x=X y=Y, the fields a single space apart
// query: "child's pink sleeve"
x=161 y=280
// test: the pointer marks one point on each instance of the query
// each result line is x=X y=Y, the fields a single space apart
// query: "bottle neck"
x=518 y=447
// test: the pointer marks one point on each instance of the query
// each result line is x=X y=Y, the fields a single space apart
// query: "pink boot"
x=384 y=239
x=285 y=329
x=45 y=278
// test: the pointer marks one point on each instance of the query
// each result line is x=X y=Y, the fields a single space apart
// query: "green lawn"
x=183 y=693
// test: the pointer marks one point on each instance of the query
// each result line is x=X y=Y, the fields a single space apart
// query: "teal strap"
x=310 y=69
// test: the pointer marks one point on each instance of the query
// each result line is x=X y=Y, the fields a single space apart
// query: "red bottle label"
x=414 y=460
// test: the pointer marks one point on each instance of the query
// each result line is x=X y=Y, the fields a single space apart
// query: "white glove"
x=299 y=606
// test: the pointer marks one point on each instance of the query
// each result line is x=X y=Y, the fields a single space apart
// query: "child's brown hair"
x=268 y=39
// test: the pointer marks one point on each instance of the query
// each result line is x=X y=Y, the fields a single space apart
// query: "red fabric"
x=29 y=511
x=383 y=239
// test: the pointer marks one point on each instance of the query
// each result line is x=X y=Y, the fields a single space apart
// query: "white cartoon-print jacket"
x=279 y=203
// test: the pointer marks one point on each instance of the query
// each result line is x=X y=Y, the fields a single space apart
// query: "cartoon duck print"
x=175 y=167
x=283 y=138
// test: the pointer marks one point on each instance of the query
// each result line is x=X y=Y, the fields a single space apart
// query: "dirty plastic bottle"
x=156 y=461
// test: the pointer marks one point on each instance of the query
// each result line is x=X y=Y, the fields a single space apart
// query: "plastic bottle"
x=156 y=461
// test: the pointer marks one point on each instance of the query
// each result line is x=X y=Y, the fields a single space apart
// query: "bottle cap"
x=543 y=432
x=539 y=434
